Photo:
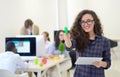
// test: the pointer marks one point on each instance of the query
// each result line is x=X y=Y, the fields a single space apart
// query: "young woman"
x=59 y=38
x=47 y=42
x=89 y=42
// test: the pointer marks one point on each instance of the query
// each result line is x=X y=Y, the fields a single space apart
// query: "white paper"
x=87 y=60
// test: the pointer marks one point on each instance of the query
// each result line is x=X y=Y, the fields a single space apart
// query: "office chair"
x=22 y=75
x=113 y=43
x=6 y=73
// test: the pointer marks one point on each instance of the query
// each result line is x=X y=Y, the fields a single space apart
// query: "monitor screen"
x=40 y=44
x=24 y=46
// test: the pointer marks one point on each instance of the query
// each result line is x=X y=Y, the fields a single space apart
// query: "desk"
x=50 y=63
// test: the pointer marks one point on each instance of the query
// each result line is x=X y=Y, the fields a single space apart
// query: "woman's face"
x=87 y=23
x=45 y=36
x=61 y=36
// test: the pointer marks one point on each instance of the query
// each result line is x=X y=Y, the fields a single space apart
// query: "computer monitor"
x=40 y=44
x=24 y=46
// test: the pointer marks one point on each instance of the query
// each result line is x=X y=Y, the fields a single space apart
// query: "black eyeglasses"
x=88 y=22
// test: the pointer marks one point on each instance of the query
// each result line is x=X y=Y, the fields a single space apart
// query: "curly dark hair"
x=81 y=37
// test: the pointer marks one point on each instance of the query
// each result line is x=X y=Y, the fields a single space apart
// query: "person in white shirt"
x=9 y=60
x=47 y=45
x=47 y=42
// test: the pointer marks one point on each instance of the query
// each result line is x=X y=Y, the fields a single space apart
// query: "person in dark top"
x=88 y=41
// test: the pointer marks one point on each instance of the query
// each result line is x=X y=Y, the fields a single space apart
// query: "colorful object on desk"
x=36 y=61
x=56 y=58
x=44 y=60
x=66 y=30
x=41 y=64
x=61 y=47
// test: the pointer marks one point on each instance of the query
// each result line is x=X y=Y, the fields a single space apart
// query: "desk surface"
x=37 y=68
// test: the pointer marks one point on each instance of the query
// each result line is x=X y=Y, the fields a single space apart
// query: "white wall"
x=50 y=15
x=107 y=10
x=62 y=13
x=13 y=13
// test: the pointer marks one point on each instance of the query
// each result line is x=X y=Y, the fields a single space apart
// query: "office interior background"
x=52 y=15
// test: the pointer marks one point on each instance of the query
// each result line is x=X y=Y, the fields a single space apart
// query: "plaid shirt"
x=100 y=47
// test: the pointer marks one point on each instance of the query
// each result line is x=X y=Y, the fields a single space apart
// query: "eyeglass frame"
x=88 y=22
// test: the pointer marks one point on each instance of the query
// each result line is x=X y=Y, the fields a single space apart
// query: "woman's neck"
x=91 y=35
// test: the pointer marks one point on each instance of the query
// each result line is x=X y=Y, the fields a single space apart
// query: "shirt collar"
x=97 y=36
x=9 y=52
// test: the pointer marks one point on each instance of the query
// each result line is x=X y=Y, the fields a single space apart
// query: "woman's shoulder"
x=103 y=38
x=51 y=44
x=48 y=42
